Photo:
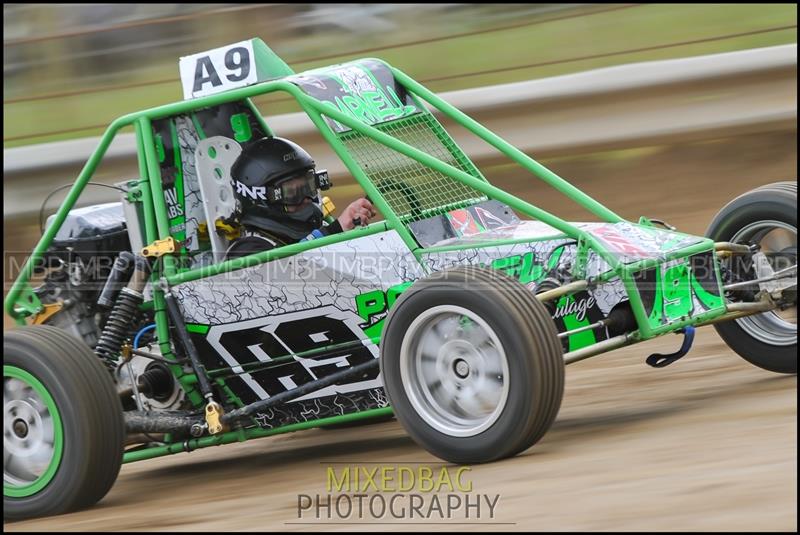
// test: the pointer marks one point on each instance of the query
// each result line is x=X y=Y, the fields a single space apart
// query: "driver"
x=277 y=187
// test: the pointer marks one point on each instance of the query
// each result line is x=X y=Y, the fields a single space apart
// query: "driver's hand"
x=358 y=212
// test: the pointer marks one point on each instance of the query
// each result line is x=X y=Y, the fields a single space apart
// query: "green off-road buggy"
x=456 y=313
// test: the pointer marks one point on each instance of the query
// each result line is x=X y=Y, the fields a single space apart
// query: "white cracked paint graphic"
x=332 y=275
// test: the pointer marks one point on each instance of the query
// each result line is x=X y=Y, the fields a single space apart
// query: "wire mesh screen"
x=411 y=189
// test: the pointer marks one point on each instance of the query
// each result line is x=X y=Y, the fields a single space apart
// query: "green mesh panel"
x=411 y=189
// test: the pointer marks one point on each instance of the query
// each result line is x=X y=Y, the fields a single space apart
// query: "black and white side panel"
x=263 y=316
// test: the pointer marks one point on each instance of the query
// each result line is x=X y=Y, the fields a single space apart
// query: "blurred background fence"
x=69 y=70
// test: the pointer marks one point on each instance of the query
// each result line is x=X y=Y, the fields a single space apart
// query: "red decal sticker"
x=618 y=242
x=463 y=223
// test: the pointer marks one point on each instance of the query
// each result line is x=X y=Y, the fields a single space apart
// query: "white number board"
x=217 y=70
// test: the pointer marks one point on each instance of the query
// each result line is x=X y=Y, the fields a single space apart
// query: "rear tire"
x=79 y=427
x=493 y=349
x=767 y=214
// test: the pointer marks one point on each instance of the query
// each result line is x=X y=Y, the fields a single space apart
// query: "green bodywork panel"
x=268 y=64
x=672 y=292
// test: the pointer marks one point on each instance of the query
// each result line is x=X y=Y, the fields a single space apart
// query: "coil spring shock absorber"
x=120 y=323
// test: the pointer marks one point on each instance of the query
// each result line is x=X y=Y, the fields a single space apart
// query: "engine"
x=84 y=270
x=77 y=265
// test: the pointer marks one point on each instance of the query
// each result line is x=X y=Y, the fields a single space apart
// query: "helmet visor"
x=294 y=190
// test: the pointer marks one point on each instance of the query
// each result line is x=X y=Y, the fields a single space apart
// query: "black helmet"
x=259 y=178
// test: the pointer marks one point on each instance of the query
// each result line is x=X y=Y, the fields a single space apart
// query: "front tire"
x=472 y=365
x=766 y=216
x=63 y=425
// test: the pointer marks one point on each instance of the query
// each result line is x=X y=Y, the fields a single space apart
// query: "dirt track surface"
x=708 y=443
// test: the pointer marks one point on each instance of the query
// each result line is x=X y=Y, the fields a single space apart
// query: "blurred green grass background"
x=542 y=41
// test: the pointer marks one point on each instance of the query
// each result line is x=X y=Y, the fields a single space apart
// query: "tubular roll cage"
x=22 y=302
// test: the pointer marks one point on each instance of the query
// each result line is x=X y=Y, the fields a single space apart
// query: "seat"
x=214 y=157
